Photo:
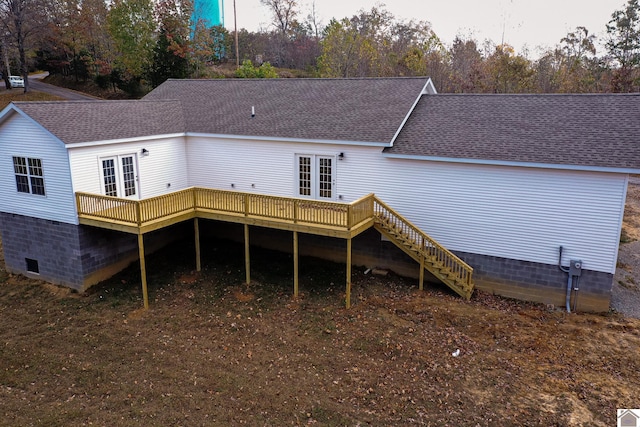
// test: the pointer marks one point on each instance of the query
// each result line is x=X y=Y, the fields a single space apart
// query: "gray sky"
x=524 y=23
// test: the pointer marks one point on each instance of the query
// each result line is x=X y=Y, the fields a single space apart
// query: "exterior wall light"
x=145 y=152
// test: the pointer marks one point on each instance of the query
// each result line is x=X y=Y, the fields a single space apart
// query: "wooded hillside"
x=135 y=45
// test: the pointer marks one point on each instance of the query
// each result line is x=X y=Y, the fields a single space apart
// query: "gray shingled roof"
x=83 y=121
x=592 y=130
x=595 y=130
x=370 y=110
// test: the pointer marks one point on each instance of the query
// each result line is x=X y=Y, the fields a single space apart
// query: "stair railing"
x=414 y=238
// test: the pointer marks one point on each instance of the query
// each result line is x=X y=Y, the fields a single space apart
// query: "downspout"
x=568 y=299
x=569 y=280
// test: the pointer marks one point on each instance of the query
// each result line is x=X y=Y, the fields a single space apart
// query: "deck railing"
x=288 y=209
x=108 y=208
x=219 y=200
x=361 y=209
x=165 y=205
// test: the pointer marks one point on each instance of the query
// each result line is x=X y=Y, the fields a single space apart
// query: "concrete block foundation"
x=510 y=278
x=76 y=256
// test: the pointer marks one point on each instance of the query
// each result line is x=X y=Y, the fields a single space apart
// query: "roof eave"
x=286 y=139
x=489 y=162
x=10 y=107
x=125 y=140
x=7 y=111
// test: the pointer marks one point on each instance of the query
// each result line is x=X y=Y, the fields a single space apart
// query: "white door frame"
x=124 y=182
x=315 y=176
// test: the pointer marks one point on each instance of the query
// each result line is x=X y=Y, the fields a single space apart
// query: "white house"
x=503 y=181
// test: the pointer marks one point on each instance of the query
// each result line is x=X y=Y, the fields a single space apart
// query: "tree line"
x=135 y=45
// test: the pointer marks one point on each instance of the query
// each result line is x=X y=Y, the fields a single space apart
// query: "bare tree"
x=466 y=65
x=22 y=21
x=284 y=13
x=313 y=22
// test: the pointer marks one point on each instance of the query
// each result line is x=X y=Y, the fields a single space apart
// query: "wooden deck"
x=341 y=220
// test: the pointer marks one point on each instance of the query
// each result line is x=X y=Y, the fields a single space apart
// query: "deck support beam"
x=143 y=271
x=247 y=262
x=196 y=230
x=295 y=264
x=348 y=297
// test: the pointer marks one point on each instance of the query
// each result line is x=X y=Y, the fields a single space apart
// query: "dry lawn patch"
x=17 y=94
x=212 y=351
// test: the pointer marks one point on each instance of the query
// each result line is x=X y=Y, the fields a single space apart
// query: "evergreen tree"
x=166 y=63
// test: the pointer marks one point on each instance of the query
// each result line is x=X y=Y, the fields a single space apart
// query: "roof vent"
x=253 y=111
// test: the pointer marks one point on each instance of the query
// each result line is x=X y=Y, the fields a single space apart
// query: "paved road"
x=68 y=94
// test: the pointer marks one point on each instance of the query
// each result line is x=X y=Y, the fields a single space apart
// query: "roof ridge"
x=300 y=79
x=95 y=102
x=590 y=94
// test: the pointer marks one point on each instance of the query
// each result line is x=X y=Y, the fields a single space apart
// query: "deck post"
x=247 y=263
x=196 y=227
x=421 y=280
x=348 y=297
x=423 y=252
x=295 y=264
x=143 y=271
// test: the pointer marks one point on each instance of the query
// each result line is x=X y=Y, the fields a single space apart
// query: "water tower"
x=210 y=12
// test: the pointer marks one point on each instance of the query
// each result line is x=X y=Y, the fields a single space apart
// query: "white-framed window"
x=29 y=175
x=119 y=175
x=315 y=176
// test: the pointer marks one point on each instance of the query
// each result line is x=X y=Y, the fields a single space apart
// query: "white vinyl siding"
x=516 y=213
x=160 y=172
x=23 y=138
x=510 y=212
x=252 y=166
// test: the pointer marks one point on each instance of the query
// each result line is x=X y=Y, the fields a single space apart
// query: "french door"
x=316 y=176
x=120 y=176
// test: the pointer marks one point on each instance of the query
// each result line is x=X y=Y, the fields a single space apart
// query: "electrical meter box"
x=575 y=267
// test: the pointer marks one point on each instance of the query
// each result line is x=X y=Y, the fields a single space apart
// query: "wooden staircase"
x=432 y=256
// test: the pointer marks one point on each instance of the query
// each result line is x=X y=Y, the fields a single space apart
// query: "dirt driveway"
x=625 y=297
x=35 y=83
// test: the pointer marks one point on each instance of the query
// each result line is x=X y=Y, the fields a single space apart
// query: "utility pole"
x=235 y=24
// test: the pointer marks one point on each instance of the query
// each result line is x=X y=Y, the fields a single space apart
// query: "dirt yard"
x=214 y=352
